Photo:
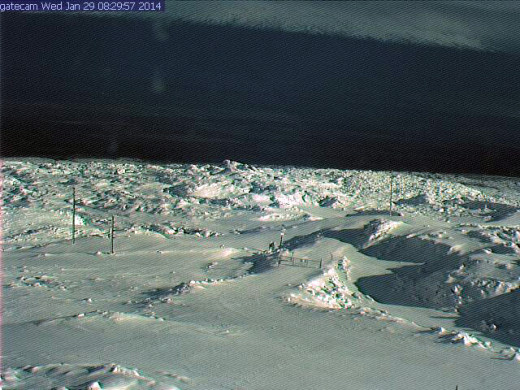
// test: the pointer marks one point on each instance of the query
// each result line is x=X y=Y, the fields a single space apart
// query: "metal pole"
x=73 y=215
x=281 y=239
x=112 y=236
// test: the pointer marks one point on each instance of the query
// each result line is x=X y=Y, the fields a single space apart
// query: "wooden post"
x=73 y=215
x=112 y=236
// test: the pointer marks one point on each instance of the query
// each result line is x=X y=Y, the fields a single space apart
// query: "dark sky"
x=380 y=85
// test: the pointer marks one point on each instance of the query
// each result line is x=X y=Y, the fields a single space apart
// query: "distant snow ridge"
x=79 y=377
x=211 y=191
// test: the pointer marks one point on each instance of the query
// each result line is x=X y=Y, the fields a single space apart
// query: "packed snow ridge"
x=229 y=258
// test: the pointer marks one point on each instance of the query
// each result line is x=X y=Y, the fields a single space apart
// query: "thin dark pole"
x=112 y=236
x=73 y=215
x=281 y=239
x=391 y=192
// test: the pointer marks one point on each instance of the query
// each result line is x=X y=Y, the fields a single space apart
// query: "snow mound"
x=167 y=229
x=445 y=277
x=334 y=291
x=326 y=291
x=42 y=281
x=80 y=377
x=380 y=229
x=510 y=354
x=460 y=337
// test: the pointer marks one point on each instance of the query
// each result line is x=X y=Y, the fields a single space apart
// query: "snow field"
x=192 y=298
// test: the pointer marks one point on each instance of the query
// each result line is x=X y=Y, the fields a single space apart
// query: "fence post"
x=321 y=261
x=281 y=239
x=73 y=215
x=112 y=236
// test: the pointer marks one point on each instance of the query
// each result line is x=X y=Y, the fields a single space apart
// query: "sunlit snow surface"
x=192 y=299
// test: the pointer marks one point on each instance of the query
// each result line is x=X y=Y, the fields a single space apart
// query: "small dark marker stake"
x=112 y=236
x=73 y=215
x=391 y=192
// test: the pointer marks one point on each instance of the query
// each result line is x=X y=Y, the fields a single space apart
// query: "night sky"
x=374 y=85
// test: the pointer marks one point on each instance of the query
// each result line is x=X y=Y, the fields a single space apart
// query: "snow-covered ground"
x=425 y=298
